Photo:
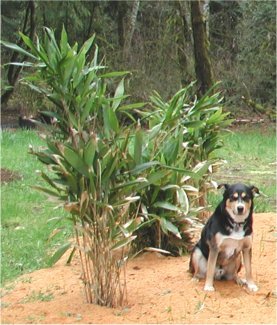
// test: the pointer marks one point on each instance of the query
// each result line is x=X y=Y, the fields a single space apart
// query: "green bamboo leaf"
x=74 y=159
x=64 y=42
x=110 y=120
x=140 y=168
x=110 y=168
x=122 y=243
x=27 y=64
x=170 y=150
x=114 y=74
x=50 y=182
x=28 y=42
x=46 y=191
x=17 y=48
x=72 y=182
x=87 y=45
x=183 y=200
x=87 y=109
x=131 y=183
x=51 y=114
x=133 y=225
x=168 y=226
x=53 y=42
x=166 y=205
x=190 y=188
x=119 y=92
x=158 y=177
x=59 y=253
x=113 y=121
x=73 y=119
x=44 y=157
x=170 y=187
x=107 y=127
x=89 y=151
x=194 y=124
x=138 y=146
x=131 y=106
x=154 y=131
x=157 y=100
x=193 y=174
x=201 y=168
x=79 y=66
x=66 y=66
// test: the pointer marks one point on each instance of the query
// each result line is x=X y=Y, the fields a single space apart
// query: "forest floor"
x=160 y=290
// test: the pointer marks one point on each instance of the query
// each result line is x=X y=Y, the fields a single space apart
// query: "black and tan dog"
x=226 y=235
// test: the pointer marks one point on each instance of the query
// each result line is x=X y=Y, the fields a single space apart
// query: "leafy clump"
x=121 y=183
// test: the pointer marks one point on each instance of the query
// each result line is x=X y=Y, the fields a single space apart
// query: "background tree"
x=203 y=67
x=184 y=41
x=256 y=51
x=28 y=28
x=130 y=28
x=241 y=35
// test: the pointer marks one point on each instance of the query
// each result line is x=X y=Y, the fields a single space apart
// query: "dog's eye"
x=234 y=197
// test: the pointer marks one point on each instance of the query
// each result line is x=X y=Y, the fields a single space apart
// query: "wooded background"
x=161 y=43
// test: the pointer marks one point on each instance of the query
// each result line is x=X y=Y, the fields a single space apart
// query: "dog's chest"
x=231 y=245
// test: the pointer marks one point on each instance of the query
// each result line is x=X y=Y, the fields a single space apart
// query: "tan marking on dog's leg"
x=247 y=254
x=211 y=270
x=238 y=280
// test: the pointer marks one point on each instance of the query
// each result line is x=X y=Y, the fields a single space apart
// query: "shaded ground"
x=160 y=290
x=9 y=117
x=8 y=176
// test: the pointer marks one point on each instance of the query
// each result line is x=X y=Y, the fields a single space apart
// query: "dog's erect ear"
x=254 y=190
x=226 y=186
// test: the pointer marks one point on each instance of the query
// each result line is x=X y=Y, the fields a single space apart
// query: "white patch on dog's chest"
x=237 y=234
x=233 y=243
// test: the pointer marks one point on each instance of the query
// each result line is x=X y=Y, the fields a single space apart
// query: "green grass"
x=251 y=159
x=25 y=231
x=25 y=211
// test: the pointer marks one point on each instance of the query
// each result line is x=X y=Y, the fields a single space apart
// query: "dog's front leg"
x=247 y=256
x=211 y=269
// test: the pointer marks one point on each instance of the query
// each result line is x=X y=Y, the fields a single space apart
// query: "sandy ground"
x=160 y=290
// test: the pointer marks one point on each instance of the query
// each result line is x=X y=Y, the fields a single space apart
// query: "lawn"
x=250 y=156
x=25 y=212
x=25 y=228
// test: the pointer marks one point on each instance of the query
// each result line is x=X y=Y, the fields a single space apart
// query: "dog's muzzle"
x=240 y=209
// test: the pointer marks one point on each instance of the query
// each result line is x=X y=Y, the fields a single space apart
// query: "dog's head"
x=238 y=200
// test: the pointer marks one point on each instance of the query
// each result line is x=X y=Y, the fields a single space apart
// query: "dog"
x=226 y=236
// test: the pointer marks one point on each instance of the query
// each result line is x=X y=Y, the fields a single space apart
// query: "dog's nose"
x=240 y=210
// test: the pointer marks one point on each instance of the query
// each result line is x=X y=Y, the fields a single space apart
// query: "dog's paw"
x=209 y=288
x=252 y=287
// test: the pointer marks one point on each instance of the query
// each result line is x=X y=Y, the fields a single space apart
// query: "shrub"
x=182 y=136
x=86 y=154
x=114 y=178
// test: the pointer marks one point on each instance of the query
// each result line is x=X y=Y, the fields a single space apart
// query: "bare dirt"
x=160 y=290
x=7 y=176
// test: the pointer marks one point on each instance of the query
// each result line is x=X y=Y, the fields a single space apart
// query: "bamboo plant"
x=85 y=155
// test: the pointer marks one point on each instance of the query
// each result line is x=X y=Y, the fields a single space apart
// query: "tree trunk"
x=203 y=68
x=130 y=29
x=14 y=71
x=206 y=16
x=121 y=13
x=184 y=42
x=88 y=27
